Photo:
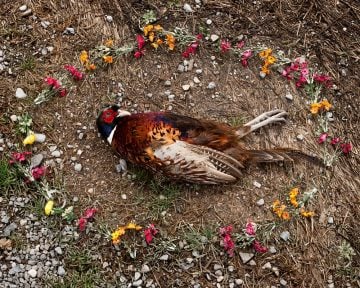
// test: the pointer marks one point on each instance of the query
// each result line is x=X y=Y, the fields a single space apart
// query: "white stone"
x=32 y=273
x=257 y=184
x=300 y=137
x=23 y=222
x=44 y=51
x=69 y=30
x=45 y=24
x=22 y=8
x=331 y=220
x=20 y=94
x=211 y=85
x=262 y=75
x=260 y=202
x=198 y=71
x=167 y=83
x=171 y=97
x=187 y=8
x=196 y=80
x=13 y=118
x=78 y=167
x=137 y=276
x=40 y=138
x=123 y=196
x=58 y=250
x=217 y=267
x=109 y=18
x=239 y=281
x=289 y=96
x=61 y=271
x=219 y=279
x=208 y=21
x=246 y=257
x=145 y=269
x=252 y=263
x=283 y=282
x=186 y=87
x=36 y=160
x=285 y=235
x=56 y=153
x=272 y=250
x=181 y=68
x=267 y=265
x=214 y=37
x=164 y=257
x=137 y=283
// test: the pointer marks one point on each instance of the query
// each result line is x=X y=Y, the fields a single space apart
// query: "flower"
x=19 y=157
x=62 y=92
x=52 y=82
x=265 y=69
x=49 y=207
x=322 y=138
x=244 y=57
x=240 y=44
x=170 y=41
x=293 y=194
x=323 y=79
x=82 y=223
x=115 y=236
x=326 y=105
x=138 y=54
x=38 y=172
x=133 y=226
x=226 y=230
x=346 y=147
x=108 y=59
x=89 y=213
x=91 y=67
x=301 y=81
x=258 y=247
x=30 y=139
x=250 y=229
x=225 y=46
x=84 y=57
x=306 y=213
x=77 y=75
x=335 y=140
x=229 y=245
x=140 y=41
x=147 y=29
x=285 y=215
x=279 y=210
x=265 y=53
x=314 y=108
x=109 y=43
x=270 y=60
x=149 y=233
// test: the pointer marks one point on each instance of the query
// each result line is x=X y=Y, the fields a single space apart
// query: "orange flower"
x=265 y=69
x=108 y=59
x=279 y=210
x=293 y=193
x=270 y=60
x=306 y=214
x=91 y=67
x=109 y=43
x=157 y=28
x=147 y=29
x=265 y=53
x=314 y=108
x=84 y=57
x=115 y=236
x=133 y=226
x=285 y=215
x=151 y=36
x=170 y=41
x=326 y=105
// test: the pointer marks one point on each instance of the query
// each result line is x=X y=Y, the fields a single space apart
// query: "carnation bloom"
x=138 y=54
x=82 y=223
x=240 y=44
x=250 y=229
x=77 y=75
x=90 y=213
x=229 y=245
x=346 y=147
x=225 y=46
x=52 y=82
x=19 y=157
x=335 y=140
x=149 y=233
x=38 y=172
x=140 y=41
x=322 y=138
x=258 y=247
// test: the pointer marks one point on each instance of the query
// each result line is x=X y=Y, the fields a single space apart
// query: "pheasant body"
x=181 y=147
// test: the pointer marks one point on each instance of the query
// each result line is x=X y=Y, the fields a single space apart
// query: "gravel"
x=20 y=93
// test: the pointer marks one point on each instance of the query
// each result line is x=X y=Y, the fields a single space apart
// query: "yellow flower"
x=270 y=60
x=285 y=215
x=147 y=29
x=48 y=207
x=265 y=69
x=157 y=28
x=326 y=105
x=133 y=226
x=84 y=57
x=155 y=45
x=315 y=107
x=306 y=213
x=265 y=53
x=108 y=59
x=292 y=194
x=115 y=236
x=30 y=139
x=109 y=43
x=170 y=41
x=151 y=36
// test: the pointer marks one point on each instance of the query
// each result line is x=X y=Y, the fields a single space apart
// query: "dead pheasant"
x=188 y=149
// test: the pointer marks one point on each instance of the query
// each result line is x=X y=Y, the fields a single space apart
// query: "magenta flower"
x=258 y=247
x=240 y=44
x=52 y=82
x=76 y=74
x=191 y=49
x=90 y=213
x=226 y=230
x=82 y=223
x=139 y=53
x=322 y=138
x=225 y=46
x=149 y=233
x=38 y=172
x=346 y=148
x=229 y=245
x=140 y=41
x=250 y=229
x=19 y=157
x=335 y=140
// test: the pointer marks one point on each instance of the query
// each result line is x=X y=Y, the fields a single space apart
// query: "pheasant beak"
x=122 y=113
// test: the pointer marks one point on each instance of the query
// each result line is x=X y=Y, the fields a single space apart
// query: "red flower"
x=322 y=138
x=199 y=36
x=346 y=147
x=77 y=75
x=149 y=233
x=259 y=248
x=225 y=46
x=301 y=81
x=226 y=230
x=89 y=213
x=287 y=73
x=323 y=79
x=335 y=140
x=38 y=172
x=229 y=245
x=62 y=92
x=140 y=41
x=294 y=66
x=19 y=157
x=244 y=63
x=82 y=224
x=244 y=57
x=52 y=82
x=250 y=229
x=240 y=44
x=191 y=49
x=138 y=54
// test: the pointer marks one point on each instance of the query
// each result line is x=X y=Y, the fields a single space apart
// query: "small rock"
x=8 y=229
x=109 y=18
x=231 y=268
x=28 y=12
x=69 y=31
x=262 y=75
x=211 y=85
x=214 y=37
x=137 y=283
x=246 y=257
x=181 y=68
x=58 y=250
x=196 y=80
x=44 y=51
x=61 y=271
x=78 y=167
x=289 y=96
x=81 y=136
x=167 y=83
x=32 y=273
x=22 y=8
x=56 y=153
x=252 y=263
x=331 y=220
x=198 y=71
x=217 y=267
x=171 y=97
x=239 y=281
x=45 y=24
x=40 y=138
x=13 y=118
x=208 y=21
x=137 y=276
x=220 y=278
x=105 y=265
x=186 y=87
x=20 y=94
x=283 y=282
x=267 y=265
x=276 y=271
x=187 y=8
x=145 y=269
x=260 y=202
x=75 y=199
x=213 y=58
x=285 y=235
x=300 y=137
x=36 y=160
x=23 y=222
x=257 y=184
x=123 y=196
x=164 y=257
x=272 y=250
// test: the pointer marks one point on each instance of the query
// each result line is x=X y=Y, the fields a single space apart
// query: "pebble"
x=36 y=160
x=40 y=138
x=23 y=222
x=181 y=68
x=167 y=83
x=208 y=21
x=69 y=31
x=32 y=273
x=109 y=18
x=252 y=263
x=300 y=137
x=13 y=118
x=75 y=199
x=58 y=250
x=145 y=269
x=246 y=257
x=272 y=250
x=44 y=51
x=56 y=153
x=137 y=276
x=198 y=71
x=81 y=136
x=45 y=24
x=331 y=220
x=28 y=12
x=8 y=229
x=123 y=196
x=214 y=37
x=262 y=75
x=20 y=94
x=267 y=265
x=217 y=267
x=239 y=281
x=283 y=282
x=137 y=283
x=196 y=80
x=171 y=97
x=211 y=85
x=187 y=8
x=186 y=87
x=260 y=202
x=289 y=96
x=276 y=271
x=231 y=269
x=61 y=271
x=78 y=167
x=257 y=184
x=22 y=8
x=164 y=257
x=285 y=235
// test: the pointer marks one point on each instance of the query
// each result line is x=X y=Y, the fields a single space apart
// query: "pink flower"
x=287 y=73
x=250 y=229
x=225 y=46
x=246 y=54
x=322 y=138
x=226 y=230
x=346 y=147
x=89 y=213
x=82 y=223
x=323 y=79
x=229 y=245
x=240 y=44
x=77 y=75
x=244 y=63
x=38 y=172
x=258 y=247
x=140 y=41
x=19 y=157
x=301 y=81
x=304 y=72
x=199 y=36
x=52 y=82
x=149 y=233
x=138 y=54
x=335 y=140
x=191 y=49
x=62 y=92
x=294 y=66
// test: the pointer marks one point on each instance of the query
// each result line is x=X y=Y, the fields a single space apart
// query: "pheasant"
x=188 y=149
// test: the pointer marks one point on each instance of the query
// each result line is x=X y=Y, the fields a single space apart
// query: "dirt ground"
x=326 y=32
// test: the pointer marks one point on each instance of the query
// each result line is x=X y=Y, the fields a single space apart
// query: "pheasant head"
x=108 y=119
